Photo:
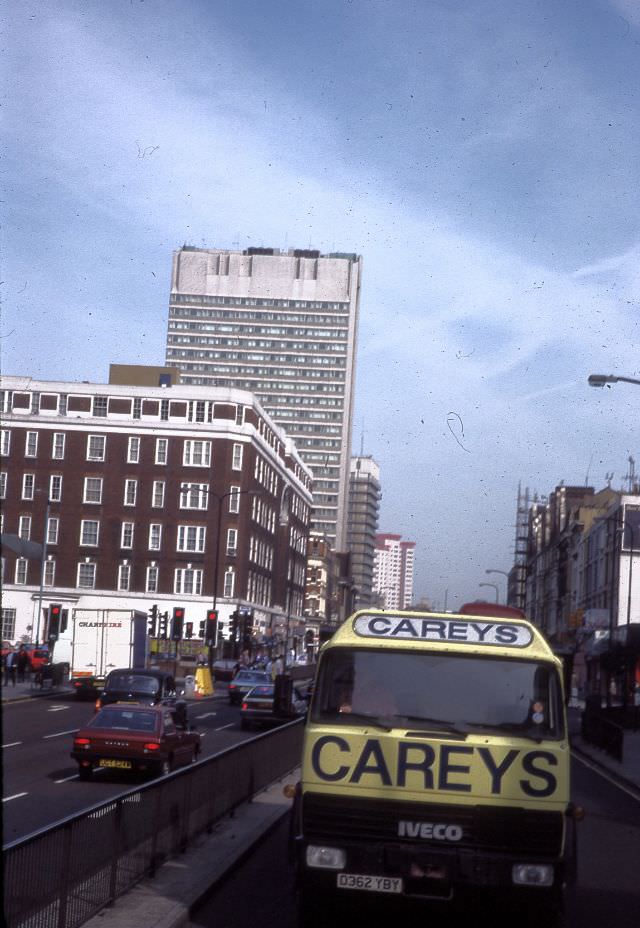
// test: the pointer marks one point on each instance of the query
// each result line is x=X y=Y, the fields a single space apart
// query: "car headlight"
x=325 y=858
x=532 y=874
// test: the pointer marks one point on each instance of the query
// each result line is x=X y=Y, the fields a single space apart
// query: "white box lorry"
x=95 y=641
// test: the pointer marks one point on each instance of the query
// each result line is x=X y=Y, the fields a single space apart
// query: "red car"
x=38 y=657
x=126 y=736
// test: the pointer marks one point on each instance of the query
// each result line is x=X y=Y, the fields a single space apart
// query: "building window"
x=155 y=536
x=49 y=572
x=234 y=499
x=24 y=527
x=197 y=453
x=194 y=495
x=152 y=579
x=236 y=462
x=164 y=410
x=126 y=539
x=130 y=492
x=124 y=577
x=31 y=445
x=57 y=446
x=92 y=490
x=89 y=531
x=157 y=499
x=8 y=624
x=229 y=582
x=100 y=406
x=191 y=537
x=55 y=488
x=62 y=404
x=188 y=581
x=28 y=486
x=21 y=570
x=239 y=415
x=133 y=450
x=5 y=442
x=53 y=527
x=162 y=450
x=3 y=485
x=96 y=445
x=232 y=541
x=6 y=401
x=137 y=407
x=86 y=579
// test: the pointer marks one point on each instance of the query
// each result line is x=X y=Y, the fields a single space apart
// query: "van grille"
x=491 y=828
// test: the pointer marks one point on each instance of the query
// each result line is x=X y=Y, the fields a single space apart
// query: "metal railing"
x=602 y=733
x=62 y=875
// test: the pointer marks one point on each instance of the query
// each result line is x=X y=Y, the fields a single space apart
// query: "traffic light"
x=177 y=623
x=211 y=628
x=153 y=621
x=163 y=622
x=235 y=625
x=246 y=620
x=55 y=615
x=188 y=629
x=202 y=627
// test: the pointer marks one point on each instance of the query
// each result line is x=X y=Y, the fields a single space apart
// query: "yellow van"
x=435 y=766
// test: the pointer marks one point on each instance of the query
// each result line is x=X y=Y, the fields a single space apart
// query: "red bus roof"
x=496 y=610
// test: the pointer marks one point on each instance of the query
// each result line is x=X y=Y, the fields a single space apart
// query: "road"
x=607 y=893
x=40 y=781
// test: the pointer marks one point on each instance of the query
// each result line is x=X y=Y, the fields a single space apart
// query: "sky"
x=481 y=155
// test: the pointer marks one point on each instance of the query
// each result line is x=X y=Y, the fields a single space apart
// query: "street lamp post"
x=495 y=587
x=599 y=380
x=492 y=570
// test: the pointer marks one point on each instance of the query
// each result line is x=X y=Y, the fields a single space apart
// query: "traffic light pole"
x=42 y=568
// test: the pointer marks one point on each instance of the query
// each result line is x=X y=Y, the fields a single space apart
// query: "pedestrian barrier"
x=61 y=876
x=604 y=734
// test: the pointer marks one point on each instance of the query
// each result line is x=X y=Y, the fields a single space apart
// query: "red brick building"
x=148 y=489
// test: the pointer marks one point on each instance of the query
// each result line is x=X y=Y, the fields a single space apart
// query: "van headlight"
x=532 y=874
x=325 y=858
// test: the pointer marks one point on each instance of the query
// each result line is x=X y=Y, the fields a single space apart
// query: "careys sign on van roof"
x=453 y=630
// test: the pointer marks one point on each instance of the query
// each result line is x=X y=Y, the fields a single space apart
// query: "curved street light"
x=495 y=587
x=599 y=380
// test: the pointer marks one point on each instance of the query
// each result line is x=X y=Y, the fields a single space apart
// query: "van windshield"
x=133 y=683
x=456 y=693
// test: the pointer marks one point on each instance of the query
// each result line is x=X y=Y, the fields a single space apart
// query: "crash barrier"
x=61 y=876
x=603 y=733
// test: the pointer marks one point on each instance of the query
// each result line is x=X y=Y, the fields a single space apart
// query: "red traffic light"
x=212 y=615
x=55 y=610
x=178 y=612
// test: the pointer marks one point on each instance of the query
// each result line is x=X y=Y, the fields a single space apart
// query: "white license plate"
x=372 y=884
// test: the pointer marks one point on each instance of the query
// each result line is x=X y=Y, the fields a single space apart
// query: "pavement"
x=166 y=900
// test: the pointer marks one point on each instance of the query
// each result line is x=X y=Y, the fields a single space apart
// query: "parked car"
x=257 y=706
x=148 y=687
x=151 y=739
x=224 y=670
x=38 y=657
x=244 y=681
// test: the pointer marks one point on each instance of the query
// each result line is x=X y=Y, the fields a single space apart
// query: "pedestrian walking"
x=10 y=668
x=22 y=663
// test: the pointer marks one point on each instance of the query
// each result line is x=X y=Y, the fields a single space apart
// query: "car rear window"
x=132 y=683
x=261 y=691
x=124 y=720
x=245 y=676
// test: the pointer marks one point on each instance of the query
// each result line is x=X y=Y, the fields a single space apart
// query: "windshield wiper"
x=512 y=728
x=457 y=728
x=382 y=723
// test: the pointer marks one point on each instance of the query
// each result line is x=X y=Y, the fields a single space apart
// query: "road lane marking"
x=59 y=733
x=74 y=777
x=596 y=769
x=58 y=708
x=230 y=725
x=12 y=744
x=206 y=715
x=16 y=796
